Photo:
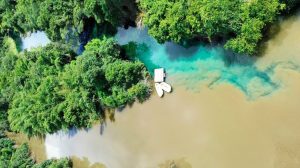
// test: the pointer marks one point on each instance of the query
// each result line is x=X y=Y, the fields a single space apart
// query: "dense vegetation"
x=52 y=88
x=48 y=88
x=62 y=17
x=14 y=156
x=240 y=22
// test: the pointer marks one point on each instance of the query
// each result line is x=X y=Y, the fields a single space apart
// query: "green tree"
x=103 y=76
x=34 y=101
x=54 y=163
x=21 y=158
x=247 y=41
x=6 y=150
x=48 y=89
x=7 y=21
x=63 y=18
x=181 y=20
x=124 y=73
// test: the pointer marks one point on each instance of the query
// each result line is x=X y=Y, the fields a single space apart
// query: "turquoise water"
x=202 y=64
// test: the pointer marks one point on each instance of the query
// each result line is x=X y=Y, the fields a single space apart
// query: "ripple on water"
x=204 y=64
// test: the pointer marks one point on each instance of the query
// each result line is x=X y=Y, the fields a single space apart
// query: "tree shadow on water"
x=176 y=51
x=144 y=54
x=109 y=116
x=278 y=28
x=102 y=127
x=230 y=58
x=110 y=113
x=72 y=132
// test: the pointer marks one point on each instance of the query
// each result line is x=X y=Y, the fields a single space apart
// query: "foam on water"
x=202 y=64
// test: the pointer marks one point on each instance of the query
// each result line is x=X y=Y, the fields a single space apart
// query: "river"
x=225 y=111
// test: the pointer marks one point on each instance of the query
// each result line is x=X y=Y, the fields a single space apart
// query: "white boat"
x=160 y=84
x=166 y=87
x=159 y=75
x=159 y=89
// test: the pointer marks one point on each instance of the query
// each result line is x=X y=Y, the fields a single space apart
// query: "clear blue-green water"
x=201 y=64
x=231 y=130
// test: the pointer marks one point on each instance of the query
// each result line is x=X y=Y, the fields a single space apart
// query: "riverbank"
x=199 y=124
x=206 y=127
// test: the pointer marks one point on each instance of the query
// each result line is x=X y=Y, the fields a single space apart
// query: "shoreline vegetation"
x=240 y=25
x=53 y=87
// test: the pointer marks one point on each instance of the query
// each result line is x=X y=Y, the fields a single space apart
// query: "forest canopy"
x=241 y=22
x=49 y=88
x=62 y=18
x=52 y=88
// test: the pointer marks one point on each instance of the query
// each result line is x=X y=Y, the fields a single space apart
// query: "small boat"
x=166 y=87
x=159 y=75
x=159 y=89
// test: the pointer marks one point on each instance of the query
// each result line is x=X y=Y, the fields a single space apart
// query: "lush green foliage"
x=21 y=157
x=181 y=20
x=47 y=89
x=53 y=163
x=102 y=75
x=28 y=89
x=7 y=24
x=8 y=58
x=6 y=150
x=60 y=17
x=4 y=125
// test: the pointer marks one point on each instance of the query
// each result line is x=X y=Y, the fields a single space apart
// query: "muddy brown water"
x=210 y=128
